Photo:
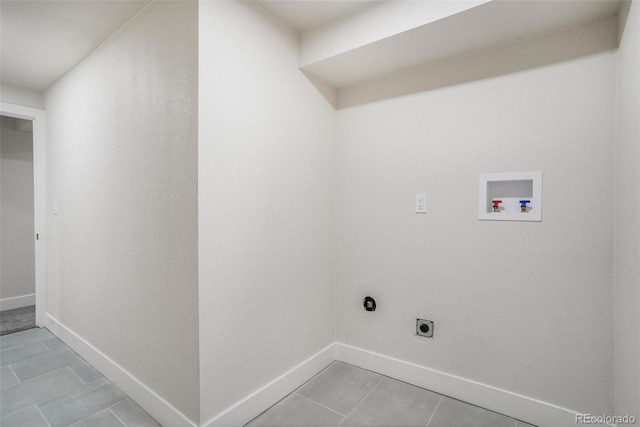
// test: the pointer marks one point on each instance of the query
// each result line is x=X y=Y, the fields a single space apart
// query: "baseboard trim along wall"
x=521 y=407
x=17 y=302
x=265 y=397
x=515 y=405
x=149 y=400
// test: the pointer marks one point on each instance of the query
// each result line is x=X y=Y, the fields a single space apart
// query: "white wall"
x=17 y=250
x=526 y=307
x=627 y=232
x=122 y=173
x=20 y=96
x=265 y=205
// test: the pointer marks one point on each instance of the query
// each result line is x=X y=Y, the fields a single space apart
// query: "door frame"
x=37 y=117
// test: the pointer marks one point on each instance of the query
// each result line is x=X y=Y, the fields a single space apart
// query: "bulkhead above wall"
x=385 y=49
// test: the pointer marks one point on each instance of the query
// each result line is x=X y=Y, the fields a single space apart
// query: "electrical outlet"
x=421 y=203
x=424 y=328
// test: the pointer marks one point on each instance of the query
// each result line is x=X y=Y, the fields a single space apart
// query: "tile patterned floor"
x=345 y=395
x=44 y=383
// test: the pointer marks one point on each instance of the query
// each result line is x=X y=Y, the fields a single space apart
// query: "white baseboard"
x=17 y=302
x=521 y=407
x=260 y=400
x=149 y=400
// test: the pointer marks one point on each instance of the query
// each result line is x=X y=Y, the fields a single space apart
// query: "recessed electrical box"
x=513 y=196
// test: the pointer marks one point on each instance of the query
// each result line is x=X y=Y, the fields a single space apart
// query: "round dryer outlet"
x=424 y=328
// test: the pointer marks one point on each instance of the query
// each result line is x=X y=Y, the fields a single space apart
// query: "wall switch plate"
x=421 y=203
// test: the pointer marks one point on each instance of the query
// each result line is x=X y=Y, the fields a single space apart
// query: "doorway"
x=17 y=247
x=22 y=212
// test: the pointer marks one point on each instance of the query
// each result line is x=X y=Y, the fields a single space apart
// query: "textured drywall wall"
x=627 y=234
x=17 y=250
x=20 y=96
x=526 y=307
x=265 y=205
x=122 y=174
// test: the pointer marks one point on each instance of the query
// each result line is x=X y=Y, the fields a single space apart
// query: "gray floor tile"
x=7 y=377
x=19 y=396
x=394 y=403
x=295 y=410
x=86 y=372
x=340 y=387
x=453 y=412
x=28 y=417
x=54 y=344
x=523 y=424
x=21 y=352
x=133 y=415
x=81 y=402
x=12 y=340
x=44 y=363
x=103 y=418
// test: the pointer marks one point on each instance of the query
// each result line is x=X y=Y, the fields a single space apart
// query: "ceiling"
x=42 y=40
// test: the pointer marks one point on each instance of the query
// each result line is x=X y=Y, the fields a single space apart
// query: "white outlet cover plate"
x=421 y=203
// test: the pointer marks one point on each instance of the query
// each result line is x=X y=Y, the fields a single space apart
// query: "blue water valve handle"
x=524 y=202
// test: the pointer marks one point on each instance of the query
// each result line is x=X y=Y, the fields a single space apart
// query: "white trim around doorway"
x=37 y=116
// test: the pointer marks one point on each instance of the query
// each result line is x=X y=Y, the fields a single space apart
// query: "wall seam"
x=334 y=157
x=615 y=218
